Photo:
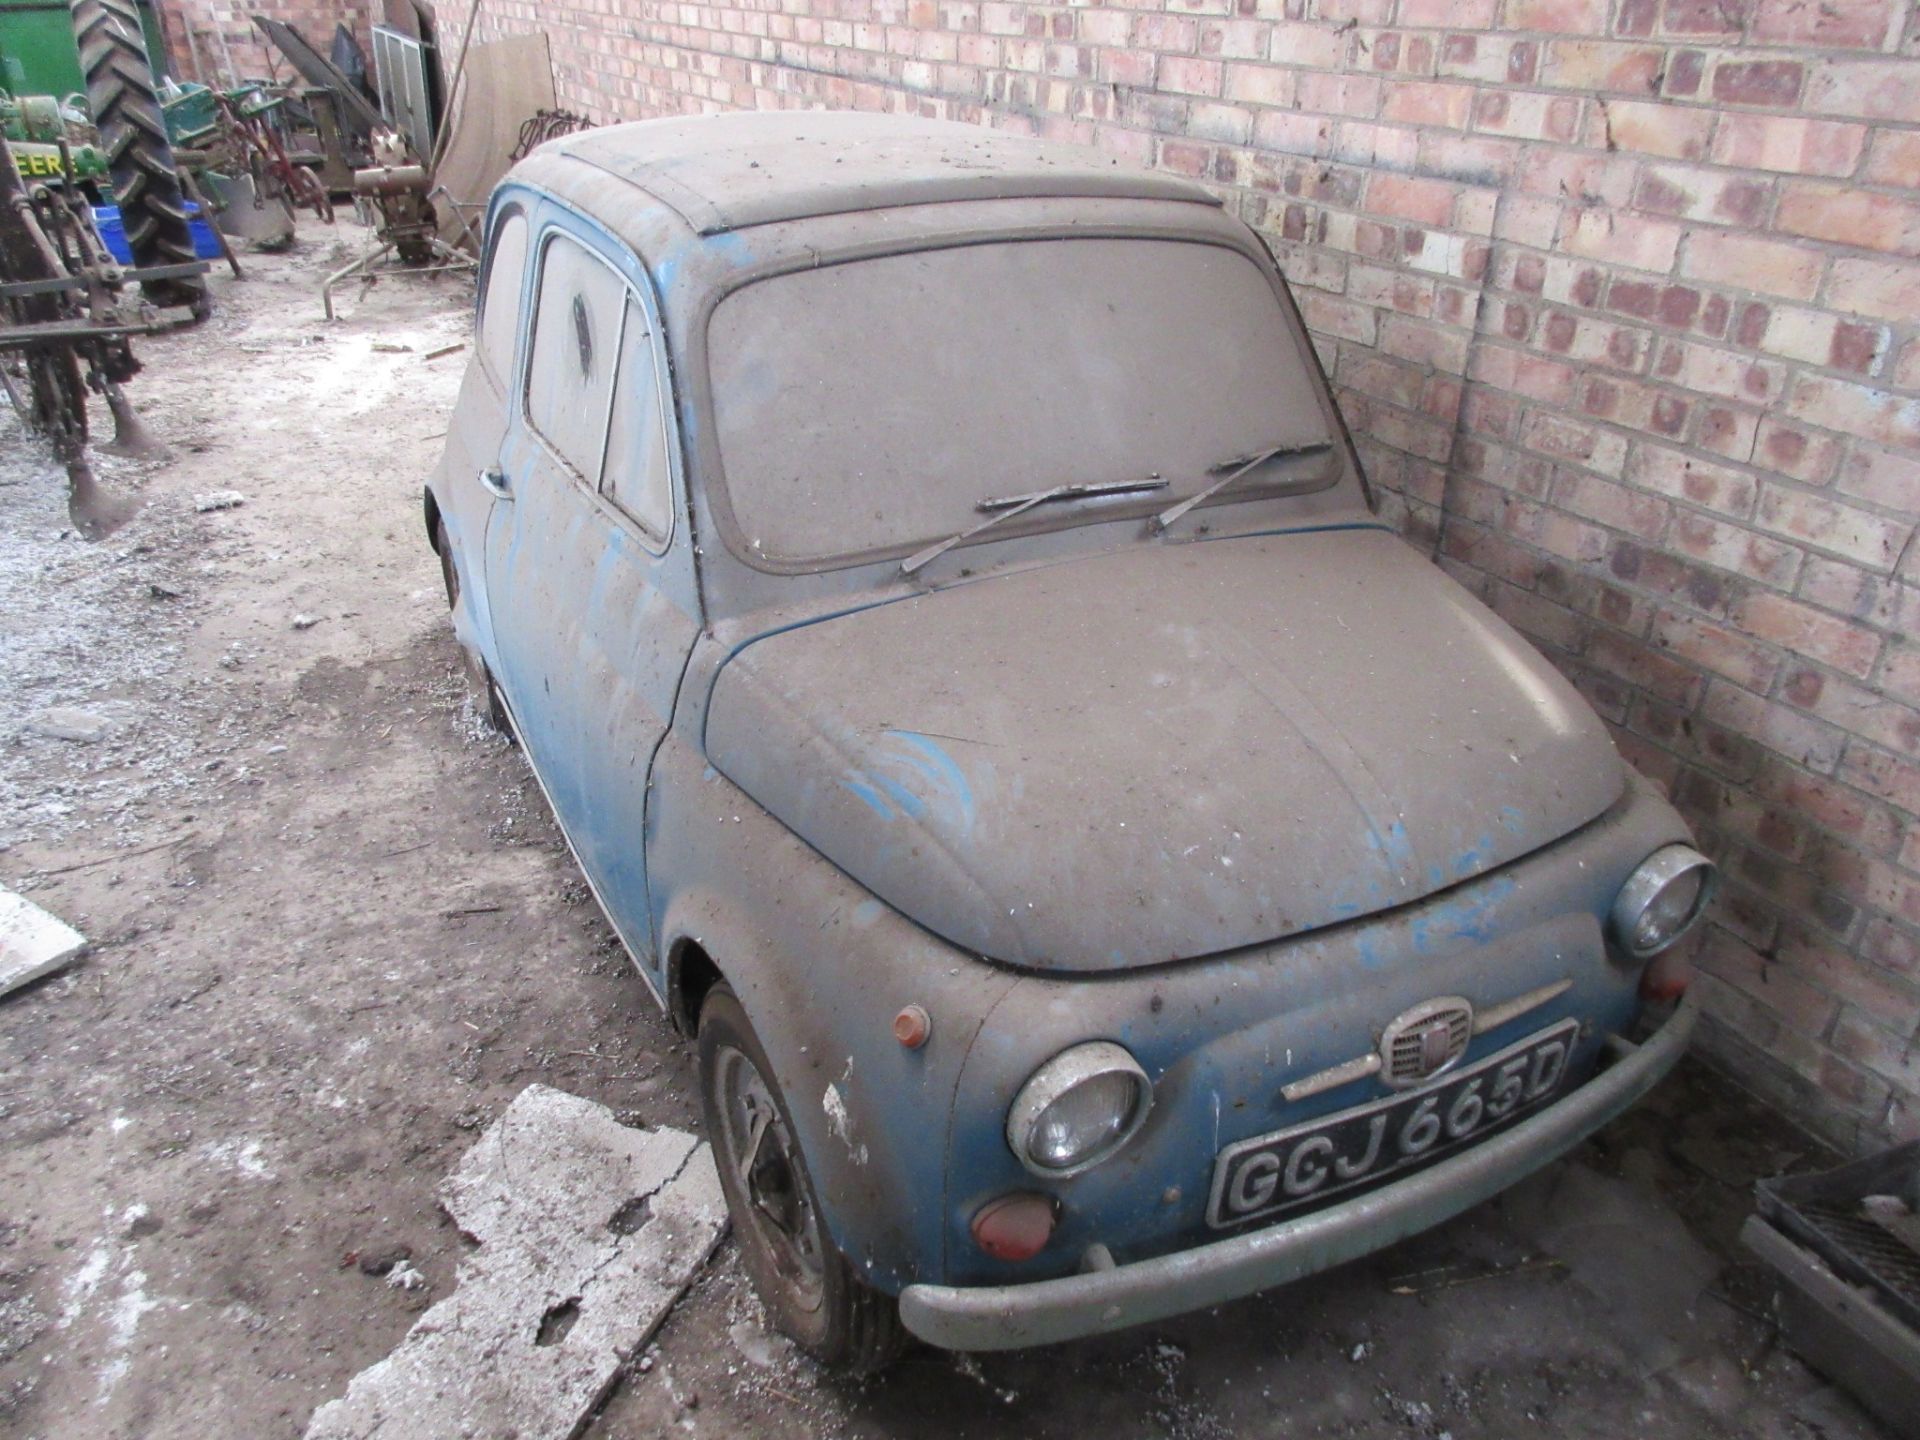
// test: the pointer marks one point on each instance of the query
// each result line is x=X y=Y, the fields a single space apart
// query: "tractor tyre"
x=133 y=135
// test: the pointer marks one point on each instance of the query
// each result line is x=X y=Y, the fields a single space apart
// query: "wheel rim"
x=759 y=1149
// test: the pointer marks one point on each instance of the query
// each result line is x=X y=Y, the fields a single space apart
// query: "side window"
x=636 y=477
x=576 y=339
x=500 y=309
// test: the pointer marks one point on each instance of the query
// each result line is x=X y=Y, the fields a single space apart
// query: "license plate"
x=1310 y=1163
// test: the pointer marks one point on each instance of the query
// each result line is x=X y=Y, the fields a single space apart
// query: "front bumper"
x=1010 y=1317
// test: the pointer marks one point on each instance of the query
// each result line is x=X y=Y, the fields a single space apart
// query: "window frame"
x=512 y=209
x=633 y=297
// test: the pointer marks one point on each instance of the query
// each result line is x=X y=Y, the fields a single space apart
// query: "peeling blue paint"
x=868 y=796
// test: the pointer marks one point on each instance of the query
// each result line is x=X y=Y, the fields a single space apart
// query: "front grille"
x=1425 y=1040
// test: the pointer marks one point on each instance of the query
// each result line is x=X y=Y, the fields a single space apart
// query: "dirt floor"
x=335 y=933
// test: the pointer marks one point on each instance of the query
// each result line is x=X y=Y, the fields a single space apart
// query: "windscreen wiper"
x=1006 y=507
x=1235 y=468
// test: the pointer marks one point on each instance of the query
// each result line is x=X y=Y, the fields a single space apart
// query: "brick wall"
x=1621 y=297
x=253 y=55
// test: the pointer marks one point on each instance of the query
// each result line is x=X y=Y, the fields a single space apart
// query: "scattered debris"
x=555 y=1300
x=218 y=500
x=305 y=622
x=380 y=1262
x=445 y=350
x=388 y=347
x=404 y=1277
x=32 y=942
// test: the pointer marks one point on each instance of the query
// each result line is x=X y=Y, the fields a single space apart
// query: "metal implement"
x=1007 y=1317
x=68 y=317
x=401 y=195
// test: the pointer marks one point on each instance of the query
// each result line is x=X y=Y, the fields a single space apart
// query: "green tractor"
x=68 y=67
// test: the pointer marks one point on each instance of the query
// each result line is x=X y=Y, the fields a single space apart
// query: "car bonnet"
x=1166 y=751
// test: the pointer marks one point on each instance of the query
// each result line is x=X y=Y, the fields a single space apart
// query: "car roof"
x=733 y=171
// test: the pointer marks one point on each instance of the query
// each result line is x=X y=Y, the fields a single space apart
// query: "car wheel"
x=486 y=695
x=810 y=1290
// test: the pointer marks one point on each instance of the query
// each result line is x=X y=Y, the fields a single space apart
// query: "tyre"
x=133 y=135
x=485 y=694
x=809 y=1289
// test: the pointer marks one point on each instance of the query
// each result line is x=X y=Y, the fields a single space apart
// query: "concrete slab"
x=588 y=1232
x=32 y=942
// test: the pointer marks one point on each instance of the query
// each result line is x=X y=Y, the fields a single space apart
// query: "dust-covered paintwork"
x=1233 y=794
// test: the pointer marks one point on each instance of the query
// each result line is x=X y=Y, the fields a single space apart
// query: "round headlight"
x=1661 y=900
x=1077 y=1109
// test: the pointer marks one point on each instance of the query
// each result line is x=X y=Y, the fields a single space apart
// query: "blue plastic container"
x=106 y=218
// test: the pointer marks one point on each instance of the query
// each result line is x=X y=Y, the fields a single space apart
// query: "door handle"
x=494 y=481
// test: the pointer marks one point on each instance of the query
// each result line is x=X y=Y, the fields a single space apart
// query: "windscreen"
x=873 y=405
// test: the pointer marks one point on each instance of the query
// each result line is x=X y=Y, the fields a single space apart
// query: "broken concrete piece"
x=32 y=942
x=564 y=1288
x=76 y=723
x=218 y=500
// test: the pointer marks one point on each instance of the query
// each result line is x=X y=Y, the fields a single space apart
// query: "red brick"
x=1785 y=731
x=1879 y=415
x=1698 y=482
x=1881 y=477
x=1189 y=75
x=1731 y=547
x=1331 y=94
x=1758 y=82
x=1863 y=23
x=1622 y=239
x=1875 y=287
x=1318 y=47
x=1850 y=591
x=1601 y=66
x=1441 y=14
x=1803 y=1007
x=1225 y=39
x=1895 y=159
x=1773 y=267
x=1718 y=649
x=1336 y=317
x=1636 y=17
x=1651 y=128
x=1892 y=1056
x=1864 y=219
x=1420 y=102
x=1702 y=195
x=1902 y=675
x=1792 y=451
x=1887 y=776
x=1870 y=90
x=1258 y=84
x=1819 y=338
x=1573 y=17
x=1685 y=70
x=1430 y=202
x=1788 y=143
x=1808 y=632
x=1857 y=534
x=1727 y=430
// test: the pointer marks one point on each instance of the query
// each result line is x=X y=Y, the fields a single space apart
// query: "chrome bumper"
x=1011 y=1317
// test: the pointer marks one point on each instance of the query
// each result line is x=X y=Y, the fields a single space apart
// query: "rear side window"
x=576 y=344
x=500 y=309
x=636 y=476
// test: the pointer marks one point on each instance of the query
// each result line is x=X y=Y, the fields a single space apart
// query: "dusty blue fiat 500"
x=1107 y=871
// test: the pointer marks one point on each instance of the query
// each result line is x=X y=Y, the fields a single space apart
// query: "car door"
x=481 y=415
x=593 y=605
